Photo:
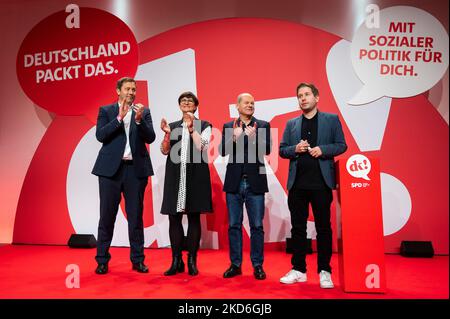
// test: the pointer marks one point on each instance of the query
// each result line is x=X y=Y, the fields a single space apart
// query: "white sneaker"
x=325 y=280
x=293 y=276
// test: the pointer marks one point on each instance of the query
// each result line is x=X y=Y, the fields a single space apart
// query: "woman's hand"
x=190 y=121
x=164 y=126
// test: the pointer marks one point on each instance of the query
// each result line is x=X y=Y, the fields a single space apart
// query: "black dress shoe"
x=140 y=267
x=232 y=271
x=177 y=266
x=101 y=269
x=259 y=273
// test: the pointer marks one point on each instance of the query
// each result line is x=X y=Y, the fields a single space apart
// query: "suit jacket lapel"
x=320 y=125
x=116 y=109
x=132 y=124
x=179 y=123
x=298 y=128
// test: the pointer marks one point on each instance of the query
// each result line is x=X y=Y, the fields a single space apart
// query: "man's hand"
x=123 y=109
x=302 y=147
x=315 y=152
x=250 y=131
x=237 y=130
x=139 y=110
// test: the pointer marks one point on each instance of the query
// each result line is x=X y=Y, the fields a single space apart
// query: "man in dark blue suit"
x=123 y=166
x=246 y=140
x=310 y=142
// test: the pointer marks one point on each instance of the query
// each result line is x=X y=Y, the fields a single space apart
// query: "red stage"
x=36 y=272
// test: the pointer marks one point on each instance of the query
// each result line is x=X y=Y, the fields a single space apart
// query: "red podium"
x=360 y=225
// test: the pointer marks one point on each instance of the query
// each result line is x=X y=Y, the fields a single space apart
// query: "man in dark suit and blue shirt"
x=246 y=140
x=310 y=142
x=123 y=166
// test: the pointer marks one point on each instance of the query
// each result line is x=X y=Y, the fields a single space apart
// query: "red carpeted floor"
x=31 y=272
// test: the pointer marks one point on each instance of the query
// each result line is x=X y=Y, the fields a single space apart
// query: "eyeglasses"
x=187 y=101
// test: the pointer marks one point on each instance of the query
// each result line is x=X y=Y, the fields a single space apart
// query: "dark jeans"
x=298 y=201
x=255 y=211
x=176 y=233
x=133 y=188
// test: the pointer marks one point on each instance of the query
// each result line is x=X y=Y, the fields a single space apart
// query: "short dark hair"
x=313 y=88
x=188 y=94
x=124 y=80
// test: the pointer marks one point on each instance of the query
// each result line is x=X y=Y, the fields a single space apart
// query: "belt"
x=127 y=162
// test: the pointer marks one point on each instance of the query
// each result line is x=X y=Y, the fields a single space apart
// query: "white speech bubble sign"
x=359 y=166
x=405 y=55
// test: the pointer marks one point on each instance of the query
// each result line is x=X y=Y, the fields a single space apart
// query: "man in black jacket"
x=246 y=140
x=310 y=142
x=123 y=166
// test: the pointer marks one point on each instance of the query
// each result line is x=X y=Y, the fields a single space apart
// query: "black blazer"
x=112 y=134
x=256 y=172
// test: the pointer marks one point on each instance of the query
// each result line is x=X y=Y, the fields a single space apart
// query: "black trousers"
x=298 y=202
x=176 y=233
x=111 y=188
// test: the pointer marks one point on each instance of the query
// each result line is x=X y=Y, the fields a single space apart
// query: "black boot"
x=192 y=265
x=176 y=266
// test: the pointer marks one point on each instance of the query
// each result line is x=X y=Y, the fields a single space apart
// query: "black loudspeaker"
x=82 y=241
x=416 y=249
x=289 y=246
